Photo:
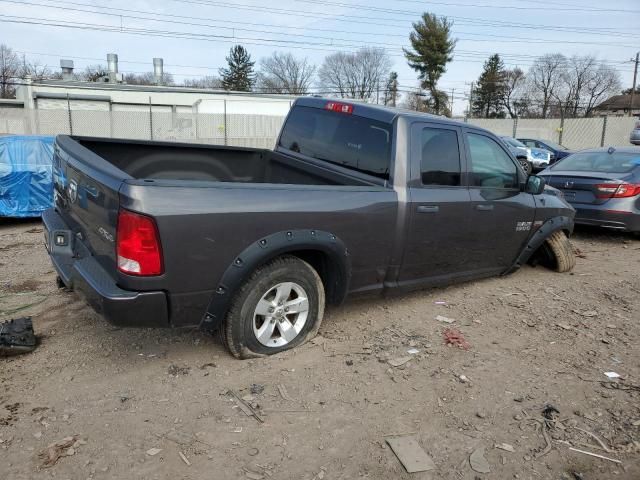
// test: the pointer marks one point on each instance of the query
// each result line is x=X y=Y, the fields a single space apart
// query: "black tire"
x=557 y=253
x=238 y=328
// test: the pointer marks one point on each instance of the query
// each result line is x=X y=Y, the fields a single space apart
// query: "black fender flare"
x=270 y=247
x=550 y=226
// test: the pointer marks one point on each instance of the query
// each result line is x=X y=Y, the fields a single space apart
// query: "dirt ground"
x=537 y=338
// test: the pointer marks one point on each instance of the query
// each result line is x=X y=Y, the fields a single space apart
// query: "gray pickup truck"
x=253 y=243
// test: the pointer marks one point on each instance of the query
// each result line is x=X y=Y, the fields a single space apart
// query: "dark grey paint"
x=396 y=233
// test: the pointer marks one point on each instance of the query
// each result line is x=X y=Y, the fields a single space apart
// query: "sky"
x=194 y=36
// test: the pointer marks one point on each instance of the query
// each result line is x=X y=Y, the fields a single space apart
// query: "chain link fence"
x=573 y=133
x=261 y=130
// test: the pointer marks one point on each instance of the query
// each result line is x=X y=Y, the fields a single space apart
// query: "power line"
x=518 y=7
x=521 y=59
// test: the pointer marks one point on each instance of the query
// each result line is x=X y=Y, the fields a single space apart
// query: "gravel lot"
x=536 y=338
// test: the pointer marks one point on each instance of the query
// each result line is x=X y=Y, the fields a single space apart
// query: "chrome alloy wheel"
x=281 y=314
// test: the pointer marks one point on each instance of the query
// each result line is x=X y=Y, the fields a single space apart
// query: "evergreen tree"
x=488 y=95
x=391 y=92
x=432 y=48
x=239 y=76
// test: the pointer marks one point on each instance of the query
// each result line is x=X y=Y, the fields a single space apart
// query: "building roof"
x=619 y=102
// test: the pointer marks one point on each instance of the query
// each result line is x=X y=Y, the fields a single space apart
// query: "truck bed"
x=174 y=161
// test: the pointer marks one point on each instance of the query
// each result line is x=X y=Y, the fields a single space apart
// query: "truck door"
x=501 y=214
x=437 y=239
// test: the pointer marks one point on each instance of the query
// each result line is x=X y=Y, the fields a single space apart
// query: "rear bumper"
x=608 y=218
x=82 y=273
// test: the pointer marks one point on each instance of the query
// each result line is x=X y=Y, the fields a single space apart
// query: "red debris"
x=453 y=336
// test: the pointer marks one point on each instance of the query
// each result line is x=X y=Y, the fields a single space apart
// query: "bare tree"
x=210 y=81
x=284 y=73
x=514 y=91
x=546 y=76
x=147 y=78
x=93 y=73
x=36 y=71
x=358 y=75
x=604 y=82
x=9 y=71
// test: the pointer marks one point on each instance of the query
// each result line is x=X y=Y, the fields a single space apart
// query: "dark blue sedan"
x=558 y=152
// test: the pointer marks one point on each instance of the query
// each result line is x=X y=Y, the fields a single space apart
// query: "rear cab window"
x=357 y=143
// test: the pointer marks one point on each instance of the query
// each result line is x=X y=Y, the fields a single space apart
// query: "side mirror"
x=535 y=185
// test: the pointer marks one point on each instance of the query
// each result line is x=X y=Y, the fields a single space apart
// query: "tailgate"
x=86 y=196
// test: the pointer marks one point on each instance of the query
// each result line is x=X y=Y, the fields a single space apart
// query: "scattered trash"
x=184 y=458
x=464 y=379
x=153 y=451
x=441 y=318
x=612 y=374
x=17 y=337
x=453 y=336
x=439 y=302
x=245 y=407
x=283 y=393
x=478 y=462
x=256 y=388
x=549 y=412
x=397 y=362
x=175 y=370
x=411 y=455
x=594 y=455
x=63 y=448
x=413 y=351
x=505 y=446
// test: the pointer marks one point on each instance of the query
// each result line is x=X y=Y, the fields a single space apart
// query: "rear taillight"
x=339 y=107
x=138 y=245
x=617 y=190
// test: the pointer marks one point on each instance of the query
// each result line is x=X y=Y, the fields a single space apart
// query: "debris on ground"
x=550 y=412
x=248 y=410
x=594 y=455
x=397 y=362
x=410 y=453
x=64 y=448
x=453 y=336
x=256 y=388
x=612 y=374
x=444 y=319
x=413 y=351
x=184 y=458
x=152 y=452
x=174 y=370
x=586 y=313
x=478 y=461
x=505 y=446
x=17 y=337
x=283 y=393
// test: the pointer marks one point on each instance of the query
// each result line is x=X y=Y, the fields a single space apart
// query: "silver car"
x=634 y=138
x=602 y=184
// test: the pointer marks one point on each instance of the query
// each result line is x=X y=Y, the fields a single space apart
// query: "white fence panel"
x=581 y=133
x=619 y=130
x=499 y=126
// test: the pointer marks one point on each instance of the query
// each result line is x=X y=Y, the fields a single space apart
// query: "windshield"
x=603 y=162
x=513 y=142
x=350 y=141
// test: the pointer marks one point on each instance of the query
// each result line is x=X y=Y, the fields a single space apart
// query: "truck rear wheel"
x=557 y=253
x=279 y=307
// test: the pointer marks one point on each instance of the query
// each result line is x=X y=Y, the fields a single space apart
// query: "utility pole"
x=633 y=88
x=452 y=90
x=470 y=100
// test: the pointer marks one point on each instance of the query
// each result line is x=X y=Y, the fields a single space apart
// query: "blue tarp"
x=26 y=187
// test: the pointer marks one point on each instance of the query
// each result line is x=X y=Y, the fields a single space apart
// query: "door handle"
x=428 y=209
x=484 y=207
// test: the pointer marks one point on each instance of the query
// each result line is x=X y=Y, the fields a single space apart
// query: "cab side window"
x=440 y=163
x=491 y=167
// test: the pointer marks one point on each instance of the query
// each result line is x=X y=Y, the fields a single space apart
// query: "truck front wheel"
x=279 y=307
x=557 y=253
